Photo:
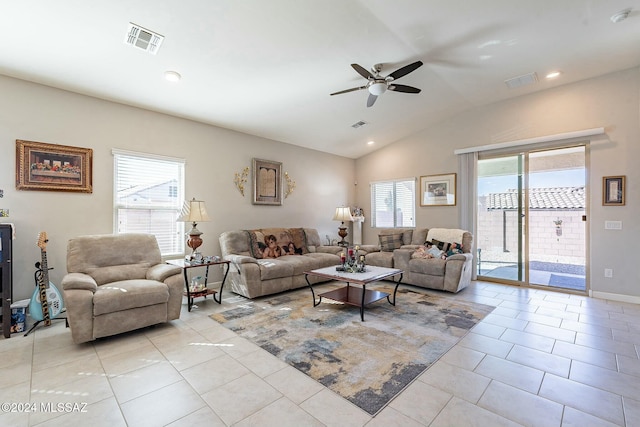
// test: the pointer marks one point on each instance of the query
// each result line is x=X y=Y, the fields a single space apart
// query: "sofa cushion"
x=390 y=242
x=380 y=259
x=299 y=240
x=256 y=243
x=432 y=267
x=407 y=234
x=275 y=268
x=445 y=234
x=139 y=293
x=115 y=273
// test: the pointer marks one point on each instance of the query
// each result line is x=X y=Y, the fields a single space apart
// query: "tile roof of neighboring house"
x=540 y=198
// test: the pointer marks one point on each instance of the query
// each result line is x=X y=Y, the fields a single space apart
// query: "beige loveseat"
x=118 y=283
x=452 y=274
x=253 y=275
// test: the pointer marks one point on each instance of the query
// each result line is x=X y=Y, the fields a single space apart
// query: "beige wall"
x=38 y=113
x=213 y=155
x=611 y=101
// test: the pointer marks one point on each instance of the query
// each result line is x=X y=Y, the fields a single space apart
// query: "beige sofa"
x=253 y=275
x=452 y=274
x=118 y=283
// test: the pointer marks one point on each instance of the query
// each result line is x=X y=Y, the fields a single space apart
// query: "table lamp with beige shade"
x=342 y=214
x=194 y=211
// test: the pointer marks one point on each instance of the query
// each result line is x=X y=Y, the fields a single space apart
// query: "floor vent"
x=525 y=80
x=143 y=39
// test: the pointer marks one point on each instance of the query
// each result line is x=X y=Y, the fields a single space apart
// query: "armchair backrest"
x=110 y=258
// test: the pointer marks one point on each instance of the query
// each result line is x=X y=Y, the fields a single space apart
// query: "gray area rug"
x=370 y=362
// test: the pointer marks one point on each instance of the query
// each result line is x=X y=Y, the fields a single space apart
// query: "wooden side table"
x=185 y=265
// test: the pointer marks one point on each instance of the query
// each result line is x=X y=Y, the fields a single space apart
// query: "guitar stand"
x=38 y=276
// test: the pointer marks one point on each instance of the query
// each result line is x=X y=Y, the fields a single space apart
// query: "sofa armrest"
x=161 y=272
x=370 y=248
x=401 y=258
x=240 y=259
x=79 y=281
x=461 y=257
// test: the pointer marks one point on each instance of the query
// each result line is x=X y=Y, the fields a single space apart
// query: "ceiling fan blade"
x=362 y=71
x=405 y=70
x=404 y=88
x=371 y=100
x=349 y=90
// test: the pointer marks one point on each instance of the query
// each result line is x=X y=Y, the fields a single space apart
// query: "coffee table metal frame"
x=352 y=295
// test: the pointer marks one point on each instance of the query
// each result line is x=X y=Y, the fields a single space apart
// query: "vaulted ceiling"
x=267 y=67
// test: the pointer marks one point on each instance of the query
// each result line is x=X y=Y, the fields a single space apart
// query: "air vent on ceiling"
x=358 y=124
x=143 y=39
x=525 y=80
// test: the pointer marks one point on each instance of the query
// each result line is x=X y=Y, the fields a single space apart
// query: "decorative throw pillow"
x=299 y=240
x=443 y=246
x=390 y=242
x=256 y=243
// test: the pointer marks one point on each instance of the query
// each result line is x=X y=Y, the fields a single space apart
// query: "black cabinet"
x=6 y=277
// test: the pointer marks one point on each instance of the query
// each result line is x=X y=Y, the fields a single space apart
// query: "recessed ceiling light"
x=172 y=76
x=371 y=142
x=553 y=75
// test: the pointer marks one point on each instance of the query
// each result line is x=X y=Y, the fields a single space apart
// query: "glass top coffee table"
x=354 y=295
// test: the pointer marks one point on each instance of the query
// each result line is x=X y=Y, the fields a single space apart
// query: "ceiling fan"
x=377 y=84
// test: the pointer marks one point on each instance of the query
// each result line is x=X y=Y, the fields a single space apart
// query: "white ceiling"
x=267 y=67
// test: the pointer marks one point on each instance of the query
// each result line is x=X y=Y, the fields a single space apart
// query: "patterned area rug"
x=368 y=362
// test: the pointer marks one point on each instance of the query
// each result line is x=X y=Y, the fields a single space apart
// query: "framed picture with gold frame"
x=267 y=182
x=53 y=167
x=613 y=190
x=438 y=190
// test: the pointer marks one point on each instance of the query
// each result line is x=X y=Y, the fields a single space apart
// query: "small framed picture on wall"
x=613 y=190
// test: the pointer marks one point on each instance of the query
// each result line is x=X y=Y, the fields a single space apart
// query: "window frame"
x=173 y=205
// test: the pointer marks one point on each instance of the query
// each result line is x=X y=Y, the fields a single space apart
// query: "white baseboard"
x=615 y=297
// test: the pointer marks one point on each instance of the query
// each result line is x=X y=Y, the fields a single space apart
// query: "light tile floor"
x=540 y=359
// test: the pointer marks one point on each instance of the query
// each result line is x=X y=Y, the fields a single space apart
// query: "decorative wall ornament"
x=291 y=185
x=241 y=179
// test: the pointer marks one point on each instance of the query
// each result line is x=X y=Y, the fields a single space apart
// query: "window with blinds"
x=393 y=203
x=148 y=195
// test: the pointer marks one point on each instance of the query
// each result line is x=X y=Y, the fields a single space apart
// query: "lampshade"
x=343 y=214
x=194 y=211
x=377 y=89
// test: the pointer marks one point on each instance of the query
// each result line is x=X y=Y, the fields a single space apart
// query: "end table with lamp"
x=195 y=211
x=185 y=265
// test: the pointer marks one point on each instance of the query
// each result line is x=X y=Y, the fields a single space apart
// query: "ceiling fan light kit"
x=377 y=85
x=377 y=88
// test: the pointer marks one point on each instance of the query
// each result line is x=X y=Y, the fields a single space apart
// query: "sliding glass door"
x=531 y=218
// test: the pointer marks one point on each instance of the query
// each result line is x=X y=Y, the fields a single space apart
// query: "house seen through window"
x=148 y=196
x=393 y=203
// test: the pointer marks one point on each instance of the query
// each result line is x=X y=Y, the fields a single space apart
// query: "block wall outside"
x=497 y=235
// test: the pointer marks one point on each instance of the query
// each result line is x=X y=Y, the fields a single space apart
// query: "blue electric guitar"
x=46 y=301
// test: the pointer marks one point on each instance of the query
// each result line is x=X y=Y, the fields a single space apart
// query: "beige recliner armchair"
x=118 y=283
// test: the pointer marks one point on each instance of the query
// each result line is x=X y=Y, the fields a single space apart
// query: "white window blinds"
x=148 y=195
x=393 y=203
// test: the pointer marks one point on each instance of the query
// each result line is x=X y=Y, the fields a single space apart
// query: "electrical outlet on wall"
x=4 y=213
x=608 y=272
